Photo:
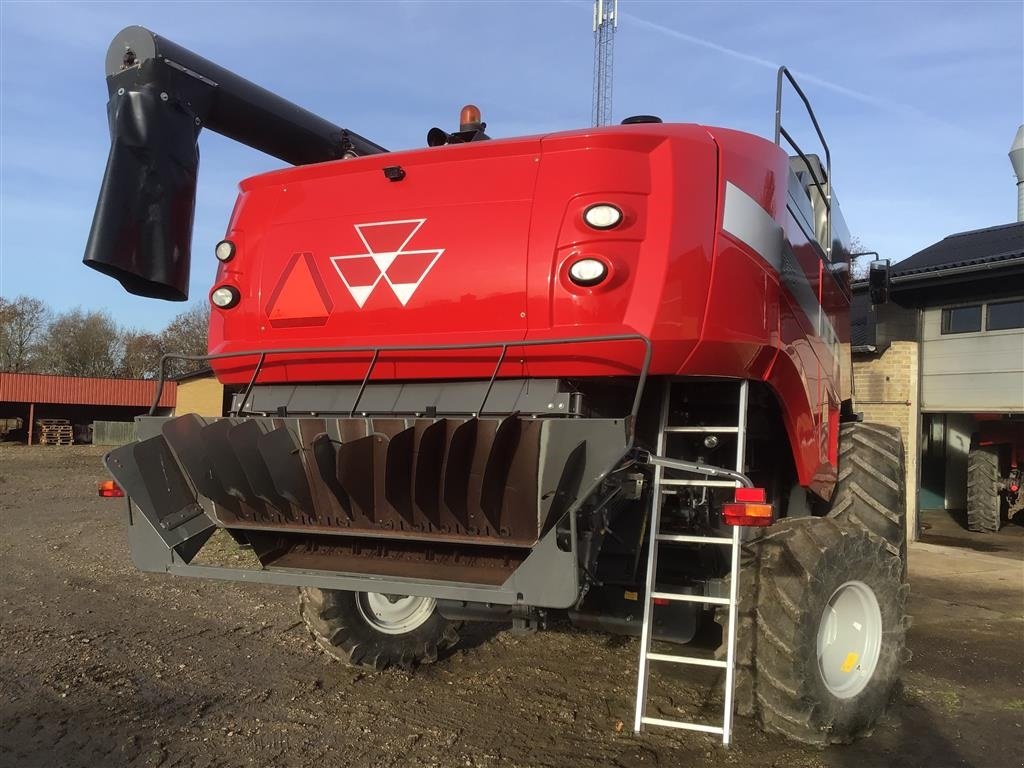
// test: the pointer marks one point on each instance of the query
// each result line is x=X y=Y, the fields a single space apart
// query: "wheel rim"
x=394 y=614
x=849 y=639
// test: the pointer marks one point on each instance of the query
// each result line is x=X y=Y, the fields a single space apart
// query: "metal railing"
x=376 y=351
x=781 y=133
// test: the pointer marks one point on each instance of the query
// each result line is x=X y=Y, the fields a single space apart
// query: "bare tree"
x=79 y=343
x=22 y=323
x=140 y=354
x=187 y=334
x=91 y=343
x=860 y=264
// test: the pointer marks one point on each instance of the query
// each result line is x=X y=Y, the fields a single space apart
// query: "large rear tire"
x=870 y=493
x=821 y=630
x=375 y=630
x=983 y=498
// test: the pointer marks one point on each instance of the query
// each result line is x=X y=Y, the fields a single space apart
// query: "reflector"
x=109 y=489
x=749 y=508
x=300 y=297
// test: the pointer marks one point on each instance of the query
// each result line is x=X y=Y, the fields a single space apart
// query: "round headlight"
x=602 y=216
x=225 y=250
x=587 y=272
x=225 y=297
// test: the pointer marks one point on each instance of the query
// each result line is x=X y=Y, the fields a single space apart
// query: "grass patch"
x=947 y=698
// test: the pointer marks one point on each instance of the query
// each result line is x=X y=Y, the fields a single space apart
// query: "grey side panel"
x=745 y=219
x=593 y=448
x=547 y=579
x=506 y=396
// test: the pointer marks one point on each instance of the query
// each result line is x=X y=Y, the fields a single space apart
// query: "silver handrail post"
x=780 y=132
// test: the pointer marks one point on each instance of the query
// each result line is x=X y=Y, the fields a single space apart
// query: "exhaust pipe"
x=161 y=97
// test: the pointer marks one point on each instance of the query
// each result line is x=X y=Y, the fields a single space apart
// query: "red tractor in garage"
x=600 y=375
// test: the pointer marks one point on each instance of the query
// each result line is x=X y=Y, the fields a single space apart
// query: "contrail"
x=867 y=98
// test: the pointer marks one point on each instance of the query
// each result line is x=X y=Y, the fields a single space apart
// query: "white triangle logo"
x=361 y=293
x=383 y=261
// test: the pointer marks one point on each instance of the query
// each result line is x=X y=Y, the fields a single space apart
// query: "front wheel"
x=821 y=630
x=374 y=629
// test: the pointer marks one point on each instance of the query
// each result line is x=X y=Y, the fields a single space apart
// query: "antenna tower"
x=606 y=19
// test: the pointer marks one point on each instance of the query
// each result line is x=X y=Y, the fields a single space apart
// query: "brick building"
x=200 y=392
x=945 y=356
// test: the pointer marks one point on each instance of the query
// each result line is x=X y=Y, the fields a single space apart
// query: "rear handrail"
x=780 y=133
x=376 y=351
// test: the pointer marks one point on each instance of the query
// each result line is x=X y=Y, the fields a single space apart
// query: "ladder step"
x=679 y=539
x=689 y=598
x=682 y=725
x=695 y=660
x=701 y=430
x=668 y=481
x=680 y=479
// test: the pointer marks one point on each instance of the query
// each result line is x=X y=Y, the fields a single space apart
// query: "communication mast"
x=606 y=19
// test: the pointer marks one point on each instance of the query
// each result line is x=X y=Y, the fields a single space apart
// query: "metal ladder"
x=656 y=537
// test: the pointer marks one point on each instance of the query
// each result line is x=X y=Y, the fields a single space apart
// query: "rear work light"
x=749 y=508
x=602 y=216
x=108 y=489
x=225 y=250
x=225 y=297
x=588 y=272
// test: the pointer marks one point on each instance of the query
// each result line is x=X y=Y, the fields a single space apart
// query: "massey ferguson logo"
x=386 y=259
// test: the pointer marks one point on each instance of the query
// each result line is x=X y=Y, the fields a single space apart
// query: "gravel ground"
x=103 y=665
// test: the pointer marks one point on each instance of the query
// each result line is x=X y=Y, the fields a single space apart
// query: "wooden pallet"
x=54 y=432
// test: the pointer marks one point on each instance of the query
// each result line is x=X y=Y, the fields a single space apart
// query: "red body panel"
x=474 y=245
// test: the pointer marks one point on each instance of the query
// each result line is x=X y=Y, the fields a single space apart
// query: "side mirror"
x=878 y=281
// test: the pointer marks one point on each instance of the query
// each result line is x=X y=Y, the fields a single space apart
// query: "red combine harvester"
x=601 y=374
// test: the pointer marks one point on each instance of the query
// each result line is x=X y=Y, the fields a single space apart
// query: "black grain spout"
x=161 y=97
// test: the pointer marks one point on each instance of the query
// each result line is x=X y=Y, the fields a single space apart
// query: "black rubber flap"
x=150 y=475
x=244 y=441
x=281 y=455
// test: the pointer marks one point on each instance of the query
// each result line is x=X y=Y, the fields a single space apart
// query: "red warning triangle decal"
x=300 y=297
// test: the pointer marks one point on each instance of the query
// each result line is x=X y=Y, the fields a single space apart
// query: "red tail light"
x=108 y=489
x=749 y=508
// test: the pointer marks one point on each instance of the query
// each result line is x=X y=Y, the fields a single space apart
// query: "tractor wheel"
x=870 y=493
x=375 y=630
x=983 y=499
x=821 y=630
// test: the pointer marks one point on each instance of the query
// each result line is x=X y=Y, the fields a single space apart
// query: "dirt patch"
x=103 y=665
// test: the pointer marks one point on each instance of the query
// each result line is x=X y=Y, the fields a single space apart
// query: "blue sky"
x=919 y=101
